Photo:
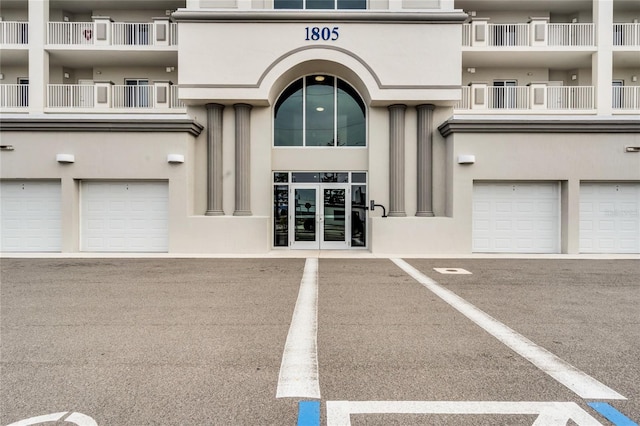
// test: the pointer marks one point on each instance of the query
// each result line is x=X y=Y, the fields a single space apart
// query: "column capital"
x=426 y=106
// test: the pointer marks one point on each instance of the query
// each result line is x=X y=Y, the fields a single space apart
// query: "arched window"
x=320 y=110
x=320 y=4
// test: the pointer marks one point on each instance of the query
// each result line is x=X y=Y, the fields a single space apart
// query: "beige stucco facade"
x=241 y=56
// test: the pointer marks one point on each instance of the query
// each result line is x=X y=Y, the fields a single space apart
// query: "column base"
x=397 y=214
x=242 y=213
x=425 y=214
x=214 y=213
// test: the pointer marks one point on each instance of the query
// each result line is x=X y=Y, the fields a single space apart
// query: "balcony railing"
x=626 y=34
x=14 y=32
x=101 y=96
x=626 y=98
x=159 y=33
x=570 y=35
x=482 y=97
x=14 y=95
x=534 y=34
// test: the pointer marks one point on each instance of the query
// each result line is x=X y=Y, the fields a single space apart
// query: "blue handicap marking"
x=309 y=413
x=611 y=414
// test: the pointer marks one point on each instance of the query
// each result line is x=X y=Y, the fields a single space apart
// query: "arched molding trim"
x=319 y=59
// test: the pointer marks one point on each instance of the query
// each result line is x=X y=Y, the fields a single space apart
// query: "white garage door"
x=30 y=216
x=610 y=218
x=516 y=217
x=125 y=216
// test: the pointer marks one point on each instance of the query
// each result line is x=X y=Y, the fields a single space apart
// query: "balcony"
x=537 y=33
x=103 y=32
x=481 y=98
x=14 y=97
x=626 y=99
x=107 y=97
x=626 y=34
x=14 y=33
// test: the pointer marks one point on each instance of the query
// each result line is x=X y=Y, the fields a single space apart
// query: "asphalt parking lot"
x=202 y=341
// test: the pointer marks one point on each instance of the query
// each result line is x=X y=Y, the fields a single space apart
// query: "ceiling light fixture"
x=319 y=78
x=320 y=109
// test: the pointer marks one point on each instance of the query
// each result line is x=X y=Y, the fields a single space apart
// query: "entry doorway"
x=319 y=219
x=320 y=211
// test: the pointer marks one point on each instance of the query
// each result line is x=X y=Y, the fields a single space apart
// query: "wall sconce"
x=574 y=77
x=65 y=158
x=634 y=78
x=1 y=76
x=466 y=159
x=175 y=159
x=66 y=75
x=170 y=69
x=471 y=70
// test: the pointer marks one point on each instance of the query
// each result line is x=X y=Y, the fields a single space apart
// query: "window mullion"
x=335 y=112
x=304 y=111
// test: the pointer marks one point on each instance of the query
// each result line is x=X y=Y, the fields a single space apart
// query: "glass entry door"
x=320 y=216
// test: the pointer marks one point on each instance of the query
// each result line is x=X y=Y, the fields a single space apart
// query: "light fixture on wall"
x=175 y=158
x=466 y=159
x=574 y=76
x=65 y=158
x=1 y=76
x=170 y=69
x=634 y=78
x=471 y=70
x=66 y=75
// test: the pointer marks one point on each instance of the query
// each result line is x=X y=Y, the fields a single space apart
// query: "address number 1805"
x=324 y=33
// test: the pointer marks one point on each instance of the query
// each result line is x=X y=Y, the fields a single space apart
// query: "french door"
x=320 y=216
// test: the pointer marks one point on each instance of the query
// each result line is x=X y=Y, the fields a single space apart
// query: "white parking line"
x=299 y=368
x=579 y=382
x=549 y=413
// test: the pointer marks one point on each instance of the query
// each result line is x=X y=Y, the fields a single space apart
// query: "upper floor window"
x=320 y=110
x=320 y=4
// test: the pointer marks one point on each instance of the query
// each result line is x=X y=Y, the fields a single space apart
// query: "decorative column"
x=214 y=160
x=396 y=160
x=243 y=160
x=425 y=160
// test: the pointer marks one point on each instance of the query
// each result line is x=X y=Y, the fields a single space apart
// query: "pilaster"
x=396 y=160
x=602 y=60
x=214 y=160
x=425 y=160
x=243 y=160
x=38 y=57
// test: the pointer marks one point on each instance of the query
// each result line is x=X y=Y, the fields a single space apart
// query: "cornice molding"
x=61 y=124
x=493 y=125
x=449 y=17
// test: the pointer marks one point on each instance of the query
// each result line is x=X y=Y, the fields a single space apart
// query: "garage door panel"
x=609 y=219
x=516 y=217
x=30 y=216
x=134 y=216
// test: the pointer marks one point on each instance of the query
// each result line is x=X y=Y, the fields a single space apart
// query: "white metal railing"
x=119 y=34
x=132 y=96
x=626 y=34
x=14 y=95
x=71 y=33
x=126 y=34
x=510 y=97
x=174 y=33
x=465 y=100
x=570 y=34
x=570 y=97
x=626 y=97
x=482 y=97
x=71 y=96
x=175 y=101
x=466 y=34
x=127 y=97
x=14 y=32
x=508 y=34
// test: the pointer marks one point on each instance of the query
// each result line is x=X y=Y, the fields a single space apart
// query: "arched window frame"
x=354 y=94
